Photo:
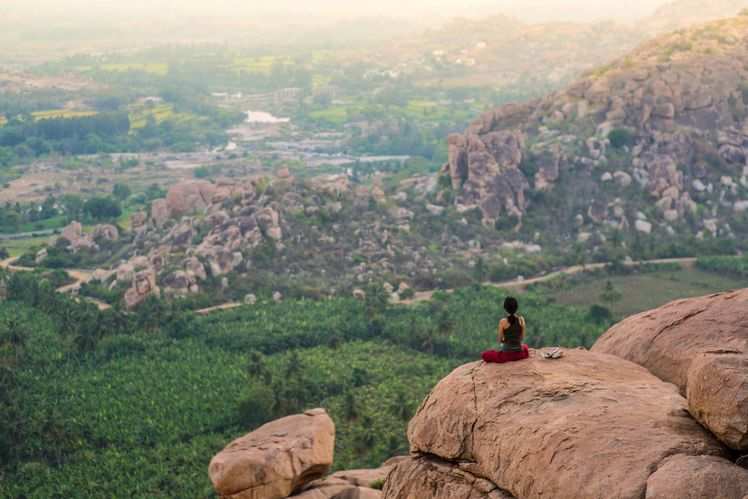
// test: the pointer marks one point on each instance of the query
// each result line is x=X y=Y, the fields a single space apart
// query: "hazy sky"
x=332 y=9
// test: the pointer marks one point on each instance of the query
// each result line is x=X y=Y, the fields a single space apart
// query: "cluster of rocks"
x=189 y=236
x=611 y=422
x=203 y=233
x=682 y=127
x=291 y=457
x=75 y=239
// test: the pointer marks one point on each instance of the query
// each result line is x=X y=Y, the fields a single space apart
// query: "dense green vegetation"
x=733 y=266
x=106 y=404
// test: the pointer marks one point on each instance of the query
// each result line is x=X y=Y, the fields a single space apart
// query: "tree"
x=121 y=191
x=73 y=206
x=610 y=294
x=350 y=406
x=599 y=314
x=479 y=271
x=621 y=137
x=102 y=208
x=401 y=405
x=375 y=305
x=257 y=406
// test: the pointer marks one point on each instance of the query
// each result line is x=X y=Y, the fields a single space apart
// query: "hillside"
x=652 y=144
x=503 y=52
x=682 y=13
x=643 y=158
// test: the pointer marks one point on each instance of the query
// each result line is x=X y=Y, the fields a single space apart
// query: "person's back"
x=511 y=334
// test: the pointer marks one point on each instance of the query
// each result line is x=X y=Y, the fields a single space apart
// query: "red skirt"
x=494 y=357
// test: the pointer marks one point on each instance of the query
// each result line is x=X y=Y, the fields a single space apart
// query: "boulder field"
x=701 y=346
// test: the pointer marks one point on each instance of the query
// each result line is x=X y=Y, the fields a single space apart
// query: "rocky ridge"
x=657 y=141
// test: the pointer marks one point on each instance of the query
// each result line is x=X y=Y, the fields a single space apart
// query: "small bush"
x=377 y=484
x=599 y=314
x=620 y=138
x=258 y=405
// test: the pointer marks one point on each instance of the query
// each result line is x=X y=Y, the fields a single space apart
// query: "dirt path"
x=421 y=296
x=79 y=277
x=566 y=271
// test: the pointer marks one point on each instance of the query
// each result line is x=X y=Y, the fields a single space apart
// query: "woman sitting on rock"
x=511 y=334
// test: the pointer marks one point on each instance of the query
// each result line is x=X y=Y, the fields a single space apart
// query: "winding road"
x=566 y=271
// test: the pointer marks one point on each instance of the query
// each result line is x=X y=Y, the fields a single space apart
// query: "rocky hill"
x=318 y=237
x=653 y=143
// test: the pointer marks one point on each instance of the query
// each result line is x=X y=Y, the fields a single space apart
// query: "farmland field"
x=17 y=247
x=639 y=292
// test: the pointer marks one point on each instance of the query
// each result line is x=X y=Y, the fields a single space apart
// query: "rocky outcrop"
x=159 y=212
x=190 y=196
x=78 y=240
x=700 y=345
x=484 y=167
x=72 y=232
x=587 y=426
x=143 y=286
x=277 y=459
x=667 y=120
x=105 y=232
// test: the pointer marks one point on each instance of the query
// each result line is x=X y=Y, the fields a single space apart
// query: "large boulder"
x=586 y=426
x=159 y=212
x=72 y=232
x=698 y=477
x=77 y=239
x=277 y=459
x=190 y=196
x=105 y=232
x=143 y=286
x=484 y=169
x=700 y=345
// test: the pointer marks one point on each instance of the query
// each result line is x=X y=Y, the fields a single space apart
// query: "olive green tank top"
x=513 y=337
